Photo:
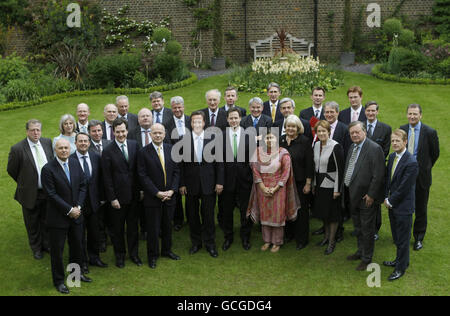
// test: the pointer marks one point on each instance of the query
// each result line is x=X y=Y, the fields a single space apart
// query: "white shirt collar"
x=400 y=155
x=80 y=155
x=195 y=136
x=160 y=146
x=32 y=144
x=357 y=110
x=120 y=144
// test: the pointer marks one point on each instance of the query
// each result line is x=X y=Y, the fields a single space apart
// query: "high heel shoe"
x=330 y=248
x=323 y=243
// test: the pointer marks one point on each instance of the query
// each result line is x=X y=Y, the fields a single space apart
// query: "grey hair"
x=121 y=97
x=213 y=90
x=274 y=84
x=156 y=95
x=288 y=100
x=64 y=118
x=32 y=121
x=255 y=100
x=332 y=104
x=293 y=119
x=177 y=100
x=353 y=124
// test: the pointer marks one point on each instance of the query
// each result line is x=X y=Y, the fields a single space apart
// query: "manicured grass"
x=237 y=272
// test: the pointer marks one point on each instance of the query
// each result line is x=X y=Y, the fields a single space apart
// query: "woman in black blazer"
x=299 y=147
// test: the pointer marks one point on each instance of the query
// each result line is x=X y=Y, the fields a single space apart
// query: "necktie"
x=274 y=111
x=99 y=148
x=235 y=145
x=158 y=117
x=213 y=121
x=39 y=159
x=161 y=159
x=317 y=113
x=180 y=128
x=394 y=165
x=255 y=122
x=124 y=152
x=147 y=140
x=199 y=149
x=355 y=116
x=351 y=166
x=66 y=170
x=412 y=140
x=87 y=172
x=370 y=131
x=112 y=132
x=83 y=129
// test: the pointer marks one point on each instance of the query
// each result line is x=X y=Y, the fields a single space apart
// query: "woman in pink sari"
x=274 y=198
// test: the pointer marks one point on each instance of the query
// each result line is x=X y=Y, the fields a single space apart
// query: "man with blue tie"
x=159 y=176
x=423 y=144
x=160 y=113
x=83 y=113
x=401 y=174
x=65 y=185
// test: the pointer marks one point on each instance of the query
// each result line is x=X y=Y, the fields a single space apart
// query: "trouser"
x=229 y=203
x=401 y=233
x=364 y=222
x=299 y=229
x=178 y=217
x=272 y=235
x=34 y=220
x=104 y=225
x=57 y=241
x=128 y=213
x=159 y=219
x=420 y=222
x=201 y=230
x=91 y=235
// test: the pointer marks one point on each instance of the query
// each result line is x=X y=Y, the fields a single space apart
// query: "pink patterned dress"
x=273 y=169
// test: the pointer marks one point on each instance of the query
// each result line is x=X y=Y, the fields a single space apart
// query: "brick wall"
x=263 y=18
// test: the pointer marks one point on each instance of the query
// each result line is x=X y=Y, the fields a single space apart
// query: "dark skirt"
x=325 y=207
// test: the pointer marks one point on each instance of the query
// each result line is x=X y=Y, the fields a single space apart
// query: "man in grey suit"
x=25 y=162
x=363 y=188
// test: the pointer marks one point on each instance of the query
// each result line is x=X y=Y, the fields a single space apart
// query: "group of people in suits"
x=97 y=178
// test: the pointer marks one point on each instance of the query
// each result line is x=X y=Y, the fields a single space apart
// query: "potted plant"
x=347 y=56
x=218 y=61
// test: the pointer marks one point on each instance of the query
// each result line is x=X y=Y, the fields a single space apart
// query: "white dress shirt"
x=81 y=160
x=43 y=156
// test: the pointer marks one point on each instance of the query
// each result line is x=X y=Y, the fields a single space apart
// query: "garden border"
x=18 y=105
x=376 y=71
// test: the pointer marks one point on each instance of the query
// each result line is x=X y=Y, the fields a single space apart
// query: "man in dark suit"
x=231 y=96
x=287 y=107
x=89 y=162
x=65 y=185
x=380 y=133
x=98 y=143
x=159 y=176
x=401 y=174
x=83 y=113
x=123 y=107
x=160 y=113
x=141 y=134
x=110 y=113
x=363 y=187
x=423 y=144
x=25 y=162
x=176 y=129
x=356 y=111
x=120 y=182
x=200 y=182
x=271 y=108
x=214 y=116
x=238 y=179
x=256 y=119
x=316 y=110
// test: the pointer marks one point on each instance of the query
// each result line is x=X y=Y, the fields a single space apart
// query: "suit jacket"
x=200 y=178
x=400 y=190
x=62 y=195
x=119 y=176
x=105 y=135
x=237 y=171
x=301 y=156
x=427 y=153
x=342 y=136
x=368 y=174
x=172 y=128
x=77 y=128
x=345 y=116
x=221 y=118
x=264 y=121
x=151 y=175
x=267 y=111
x=94 y=184
x=167 y=116
x=243 y=111
x=22 y=168
x=382 y=136
x=104 y=142
x=308 y=113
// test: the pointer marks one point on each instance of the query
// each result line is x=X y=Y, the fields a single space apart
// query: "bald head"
x=145 y=118
x=110 y=113
x=62 y=149
x=158 y=133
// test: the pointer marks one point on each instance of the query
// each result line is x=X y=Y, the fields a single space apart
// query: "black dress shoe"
x=226 y=244
x=320 y=231
x=213 y=252
x=171 y=255
x=396 y=275
x=418 y=245
x=85 y=268
x=300 y=246
x=152 y=263
x=323 y=243
x=376 y=237
x=120 y=263
x=84 y=278
x=194 y=249
x=136 y=260
x=38 y=255
x=98 y=263
x=391 y=264
x=177 y=227
x=330 y=249
x=102 y=247
x=246 y=245
x=62 y=289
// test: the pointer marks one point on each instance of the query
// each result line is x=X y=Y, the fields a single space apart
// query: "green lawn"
x=236 y=272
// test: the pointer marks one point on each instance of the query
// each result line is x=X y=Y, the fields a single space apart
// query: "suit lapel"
x=361 y=157
x=27 y=149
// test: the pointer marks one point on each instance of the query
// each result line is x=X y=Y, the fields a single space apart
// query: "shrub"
x=161 y=34
x=173 y=47
x=406 y=38
x=391 y=27
x=444 y=67
x=12 y=67
x=406 y=61
x=20 y=90
x=170 y=67
x=117 y=70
